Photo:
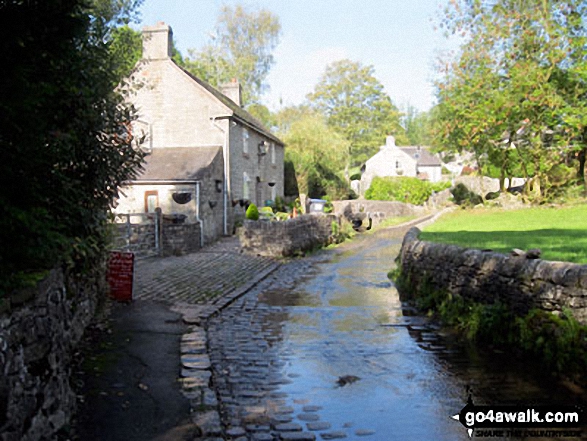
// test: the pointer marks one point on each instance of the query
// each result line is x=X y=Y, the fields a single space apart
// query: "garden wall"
x=39 y=329
x=378 y=210
x=280 y=239
x=175 y=238
x=486 y=276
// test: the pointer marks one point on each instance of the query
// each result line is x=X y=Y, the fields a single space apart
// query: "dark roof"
x=178 y=163
x=421 y=155
x=237 y=110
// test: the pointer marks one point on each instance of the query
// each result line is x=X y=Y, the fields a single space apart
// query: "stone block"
x=297 y=436
x=208 y=422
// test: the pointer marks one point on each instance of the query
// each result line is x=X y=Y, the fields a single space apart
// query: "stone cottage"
x=207 y=156
x=391 y=160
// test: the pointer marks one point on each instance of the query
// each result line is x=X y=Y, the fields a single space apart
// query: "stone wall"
x=176 y=237
x=486 y=276
x=380 y=209
x=180 y=239
x=285 y=238
x=484 y=184
x=39 y=329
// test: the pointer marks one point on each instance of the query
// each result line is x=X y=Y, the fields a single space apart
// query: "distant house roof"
x=237 y=110
x=422 y=156
x=178 y=163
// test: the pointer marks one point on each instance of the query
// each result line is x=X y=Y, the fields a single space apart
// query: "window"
x=245 y=141
x=246 y=186
x=151 y=201
x=272 y=153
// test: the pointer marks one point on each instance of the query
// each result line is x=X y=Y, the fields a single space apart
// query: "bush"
x=65 y=139
x=403 y=189
x=465 y=197
x=252 y=213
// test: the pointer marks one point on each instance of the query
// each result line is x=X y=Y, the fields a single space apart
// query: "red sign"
x=120 y=275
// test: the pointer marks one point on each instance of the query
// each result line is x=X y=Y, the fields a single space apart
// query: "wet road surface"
x=324 y=349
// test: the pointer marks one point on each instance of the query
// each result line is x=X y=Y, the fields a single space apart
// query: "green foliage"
x=279 y=205
x=65 y=144
x=126 y=49
x=403 y=189
x=240 y=48
x=328 y=207
x=341 y=232
x=316 y=151
x=560 y=342
x=515 y=94
x=417 y=126
x=465 y=197
x=263 y=114
x=356 y=106
x=252 y=213
x=266 y=213
x=113 y=13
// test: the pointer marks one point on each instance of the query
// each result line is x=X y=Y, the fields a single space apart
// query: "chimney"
x=232 y=90
x=390 y=142
x=157 y=42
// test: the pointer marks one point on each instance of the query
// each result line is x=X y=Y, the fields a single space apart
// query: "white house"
x=391 y=160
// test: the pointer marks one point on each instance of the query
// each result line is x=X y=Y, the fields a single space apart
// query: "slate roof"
x=178 y=163
x=426 y=159
x=237 y=110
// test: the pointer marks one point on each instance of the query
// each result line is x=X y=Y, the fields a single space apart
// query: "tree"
x=65 y=143
x=114 y=13
x=126 y=50
x=240 y=48
x=417 y=126
x=315 y=149
x=515 y=96
x=263 y=114
x=356 y=106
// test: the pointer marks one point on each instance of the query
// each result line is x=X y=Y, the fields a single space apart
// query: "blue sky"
x=397 y=37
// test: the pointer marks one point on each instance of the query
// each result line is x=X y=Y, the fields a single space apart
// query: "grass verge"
x=560 y=232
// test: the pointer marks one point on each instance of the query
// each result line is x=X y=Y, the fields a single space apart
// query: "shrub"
x=252 y=213
x=65 y=139
x=403 y=189
x=465 y=197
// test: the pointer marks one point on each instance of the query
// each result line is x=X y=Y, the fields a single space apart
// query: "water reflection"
x=346 y=319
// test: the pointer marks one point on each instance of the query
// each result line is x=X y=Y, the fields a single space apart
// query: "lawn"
x=561 y=232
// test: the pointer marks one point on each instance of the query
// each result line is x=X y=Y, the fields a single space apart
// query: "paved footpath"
x=201 y=278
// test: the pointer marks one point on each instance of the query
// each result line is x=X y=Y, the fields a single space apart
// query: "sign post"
x=120 y=275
